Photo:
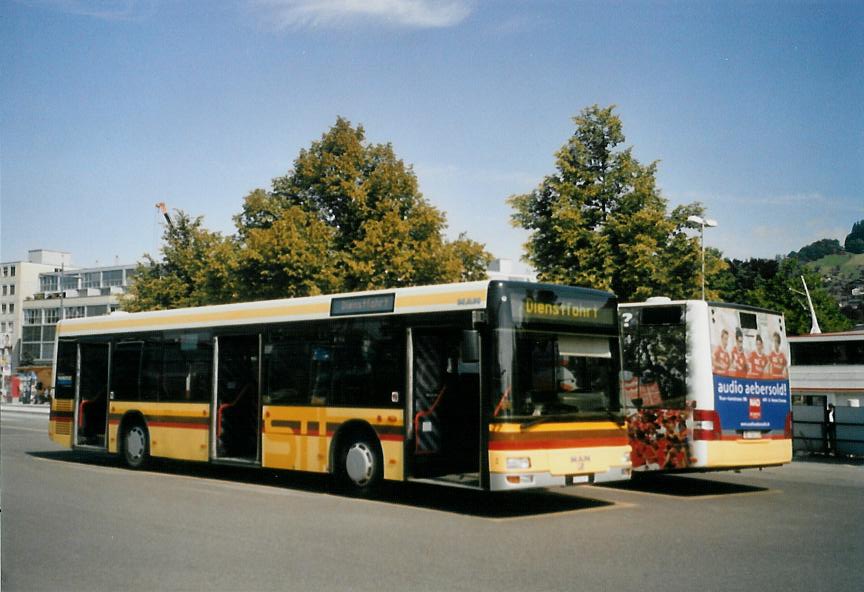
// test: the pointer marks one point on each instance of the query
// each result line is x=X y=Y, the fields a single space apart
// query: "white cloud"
x=419 y=14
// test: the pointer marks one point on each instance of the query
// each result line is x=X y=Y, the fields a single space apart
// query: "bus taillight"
x=706 y=425
x=787 y=429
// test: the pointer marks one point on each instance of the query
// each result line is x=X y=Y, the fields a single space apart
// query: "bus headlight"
x=522 y=462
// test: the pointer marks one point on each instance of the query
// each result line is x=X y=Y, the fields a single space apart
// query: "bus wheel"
x=136 y=445
x=360 y=467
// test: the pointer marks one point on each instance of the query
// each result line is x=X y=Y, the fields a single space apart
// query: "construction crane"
x=164 y=209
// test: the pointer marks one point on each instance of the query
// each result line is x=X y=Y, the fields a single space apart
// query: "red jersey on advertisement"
x=739 y=362
x=721 y=360
x=758 y=363
x=777 y=364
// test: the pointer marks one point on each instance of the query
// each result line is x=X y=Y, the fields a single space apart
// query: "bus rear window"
x=748 y=320
x=663 y=315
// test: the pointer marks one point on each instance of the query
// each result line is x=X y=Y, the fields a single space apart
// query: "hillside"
x=843 y=275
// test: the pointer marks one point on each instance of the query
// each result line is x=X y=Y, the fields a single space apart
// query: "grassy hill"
x=842 y=273
x=842 y=265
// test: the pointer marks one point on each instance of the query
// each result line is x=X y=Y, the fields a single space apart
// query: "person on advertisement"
x=720 y=360
x=739 y=356
x=778 y=366
x=757 y=360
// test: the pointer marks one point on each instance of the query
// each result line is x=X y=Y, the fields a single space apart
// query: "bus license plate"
x=752 y=435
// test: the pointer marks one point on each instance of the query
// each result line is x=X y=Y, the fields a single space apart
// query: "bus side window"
x=125 y=371
x=320 y=374
x=287 y=379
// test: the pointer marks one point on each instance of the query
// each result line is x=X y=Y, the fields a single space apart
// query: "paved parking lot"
x=80 y=522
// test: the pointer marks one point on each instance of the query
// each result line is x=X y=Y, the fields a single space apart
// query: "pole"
x=702 y=241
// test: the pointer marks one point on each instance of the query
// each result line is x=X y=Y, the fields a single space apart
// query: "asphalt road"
x=72 y=521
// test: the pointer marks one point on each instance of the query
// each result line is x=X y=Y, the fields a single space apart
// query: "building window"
x=33 y=317
x=13 y=271
x=3 y=309
x=49 y=332
x=52 y=315
x=92 y=279
x=75 y=312
x=12 y=290
x=30 y=334
x=33 y=349
x=11 y=308
x=97 y=311
x=4 y=290
x=48 y=283
x=70 y=282
x=5 y=272
x=112 y=278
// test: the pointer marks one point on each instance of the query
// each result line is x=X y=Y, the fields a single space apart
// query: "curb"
x=28 y=409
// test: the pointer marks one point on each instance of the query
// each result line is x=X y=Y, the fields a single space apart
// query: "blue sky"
x=753 y=108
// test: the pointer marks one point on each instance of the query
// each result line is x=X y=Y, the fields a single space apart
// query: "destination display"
x=360 y=305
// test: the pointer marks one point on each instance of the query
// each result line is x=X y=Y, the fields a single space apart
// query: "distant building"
x=19 y=280
x=827 y=368
x=63 y=294
x=502 y=269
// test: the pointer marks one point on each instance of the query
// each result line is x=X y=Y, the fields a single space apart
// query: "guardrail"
x=813 y=432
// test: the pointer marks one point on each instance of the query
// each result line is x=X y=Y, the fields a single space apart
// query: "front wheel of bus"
x=136 y=446
x=360 y=466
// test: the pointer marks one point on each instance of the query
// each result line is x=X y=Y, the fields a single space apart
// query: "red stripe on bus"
x=556 y=444
x=172 y=424
x=391 y=437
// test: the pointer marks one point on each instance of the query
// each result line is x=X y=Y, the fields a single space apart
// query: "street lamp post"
x=702 y=222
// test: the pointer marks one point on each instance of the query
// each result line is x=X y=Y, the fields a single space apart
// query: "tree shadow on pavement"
x=482 y=504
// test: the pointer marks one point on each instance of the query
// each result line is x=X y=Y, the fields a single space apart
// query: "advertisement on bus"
x=750 y=367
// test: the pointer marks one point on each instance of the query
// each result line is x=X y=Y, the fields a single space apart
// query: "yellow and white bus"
x=706 y=385
x=490 y=385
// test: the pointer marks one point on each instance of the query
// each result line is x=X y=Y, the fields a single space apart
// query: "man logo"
x=467 y=301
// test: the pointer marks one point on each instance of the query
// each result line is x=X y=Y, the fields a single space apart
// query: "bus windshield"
x=553 y=374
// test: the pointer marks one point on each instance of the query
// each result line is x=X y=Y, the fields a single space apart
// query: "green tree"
x=776 y=284
x=284 y=251
x=348 y=216
x=384 y=232
x=816 y=250
x=197 y=268
x=601 y=222
x=855 y=240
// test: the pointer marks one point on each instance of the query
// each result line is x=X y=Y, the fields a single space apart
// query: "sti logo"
x=755 y=408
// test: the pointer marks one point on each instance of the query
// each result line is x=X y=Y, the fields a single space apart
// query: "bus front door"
x=236 y=428
x=445 y=412
x=91 y=396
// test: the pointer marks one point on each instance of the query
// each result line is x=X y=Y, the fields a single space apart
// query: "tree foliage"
x=385 y=233
x=818 y=249
x=601 y=222
x=776 y=284
x=348 y=216
x=855 y=240
x=197 y=268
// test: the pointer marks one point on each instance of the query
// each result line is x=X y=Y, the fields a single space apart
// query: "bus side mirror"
x=470 y=347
